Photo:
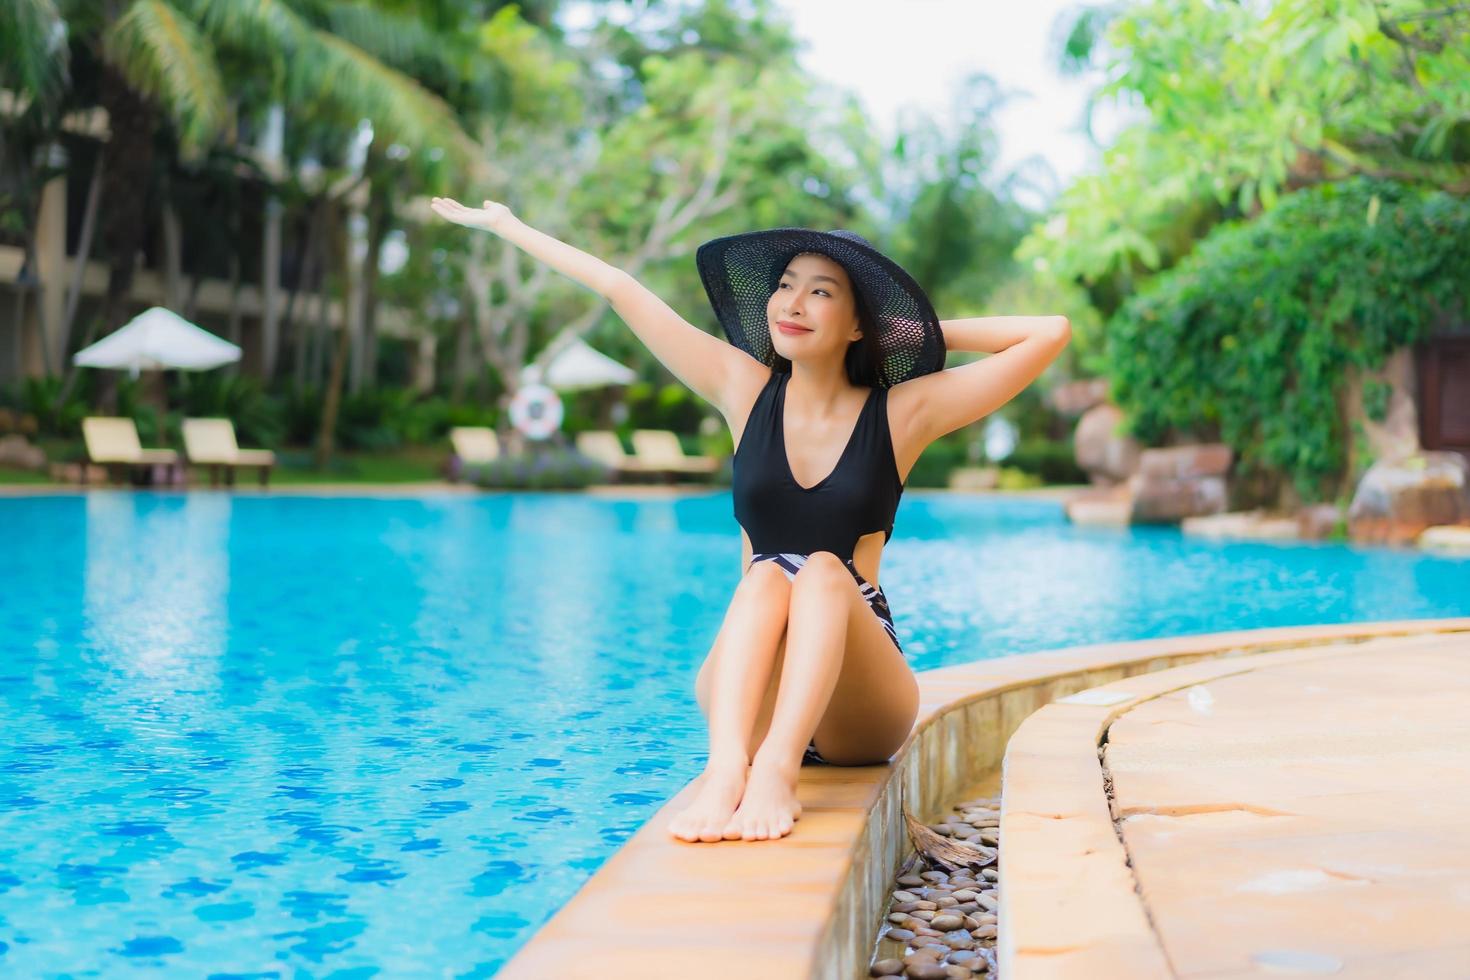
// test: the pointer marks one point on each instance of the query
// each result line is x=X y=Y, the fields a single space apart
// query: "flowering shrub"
x=541 y=469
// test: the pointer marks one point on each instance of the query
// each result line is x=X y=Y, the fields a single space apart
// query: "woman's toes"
x=679 y=826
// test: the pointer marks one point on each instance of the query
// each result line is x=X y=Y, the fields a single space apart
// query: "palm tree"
x=187 y=62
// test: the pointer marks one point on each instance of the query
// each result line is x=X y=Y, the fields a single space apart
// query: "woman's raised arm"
x=716 y=371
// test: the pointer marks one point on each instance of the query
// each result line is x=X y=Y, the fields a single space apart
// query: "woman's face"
x=815 y=295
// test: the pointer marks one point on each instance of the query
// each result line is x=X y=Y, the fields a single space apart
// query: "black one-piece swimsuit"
x=787 y=523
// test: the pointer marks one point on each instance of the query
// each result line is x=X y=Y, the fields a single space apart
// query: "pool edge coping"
x=808 y=905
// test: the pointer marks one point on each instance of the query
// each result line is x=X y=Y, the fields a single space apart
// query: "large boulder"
x=1316 y=522
x=1105 y=506
x=16 y=451
x=1180 y=481
x=1072 y=398
x=1396 y=436
x=1183 y=462
x=1108 y=458
x=1396 y=500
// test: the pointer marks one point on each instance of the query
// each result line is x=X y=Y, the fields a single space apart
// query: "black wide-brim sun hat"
x=740 y=272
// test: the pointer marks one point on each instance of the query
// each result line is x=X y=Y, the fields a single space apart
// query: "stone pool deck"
x=1302 y=812
x=810 y=904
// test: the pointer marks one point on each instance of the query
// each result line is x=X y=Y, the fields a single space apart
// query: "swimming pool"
x=282 y=736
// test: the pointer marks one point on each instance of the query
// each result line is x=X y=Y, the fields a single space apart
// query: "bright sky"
x=901 y=53
x=914 y=53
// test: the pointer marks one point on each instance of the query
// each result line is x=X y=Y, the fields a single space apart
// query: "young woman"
x=833 y=383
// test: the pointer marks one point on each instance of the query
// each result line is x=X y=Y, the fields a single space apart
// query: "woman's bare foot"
x=722 y=784
x=769 y=807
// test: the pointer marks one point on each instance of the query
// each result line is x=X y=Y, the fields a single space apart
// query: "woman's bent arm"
x=710 y=367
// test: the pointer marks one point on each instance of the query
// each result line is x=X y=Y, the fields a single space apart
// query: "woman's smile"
x=787 y=327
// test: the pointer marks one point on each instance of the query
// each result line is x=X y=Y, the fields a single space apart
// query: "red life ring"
x=536 y=411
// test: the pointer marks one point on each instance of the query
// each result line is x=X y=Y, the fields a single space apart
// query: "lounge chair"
x=474 y=445
x=211 y=442
x=606 y=448
x=113 y=443
x=660 y=449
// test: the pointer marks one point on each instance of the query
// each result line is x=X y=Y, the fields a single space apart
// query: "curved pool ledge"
x=1296 y=811
x=810 y=904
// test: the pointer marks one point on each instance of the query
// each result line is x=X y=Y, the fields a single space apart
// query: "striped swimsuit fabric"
x=872 y=595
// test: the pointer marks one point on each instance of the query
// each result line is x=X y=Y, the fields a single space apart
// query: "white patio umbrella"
x=578 y=366
x=155 y=339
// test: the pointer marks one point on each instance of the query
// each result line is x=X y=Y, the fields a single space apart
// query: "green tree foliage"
x=1245 y=101
x=955 y=230
x=1250 y=338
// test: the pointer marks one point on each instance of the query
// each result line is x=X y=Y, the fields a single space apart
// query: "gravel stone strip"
x=941 y=925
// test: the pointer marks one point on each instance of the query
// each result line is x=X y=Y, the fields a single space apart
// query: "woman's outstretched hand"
x=490 y=217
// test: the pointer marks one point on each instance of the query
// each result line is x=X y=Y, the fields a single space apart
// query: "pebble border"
x=941 y=924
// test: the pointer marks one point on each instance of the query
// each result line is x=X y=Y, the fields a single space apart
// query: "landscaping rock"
x=1316 y=522
x=1453 y=538
x=16 y=451
x=1108 y=456
x=1100 y=506
x=1178 y=482
x=1395 y=502
x=1072 y=398
x=1185 y=462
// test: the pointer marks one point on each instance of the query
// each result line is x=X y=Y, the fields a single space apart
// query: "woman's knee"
x=767 y=579
x=766 y=585
x=823 y=571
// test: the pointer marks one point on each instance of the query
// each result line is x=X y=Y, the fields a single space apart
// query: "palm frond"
x=33 y=38
x=391 y=38
x=266 y=27
x=326 y=69
x=354 y=81
x=945 y=853
x=165 y=56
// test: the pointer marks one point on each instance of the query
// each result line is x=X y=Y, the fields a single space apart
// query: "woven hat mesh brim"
x=740 y=272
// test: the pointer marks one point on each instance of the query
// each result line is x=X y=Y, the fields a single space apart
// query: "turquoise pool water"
x=287 y=736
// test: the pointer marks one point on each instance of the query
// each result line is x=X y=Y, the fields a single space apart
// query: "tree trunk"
x=272 y=150
x=30 y=260
x=377 y=223
x=173 y=258
x=342 y=350
x=304 y=276
x=326 y=439
x=84 y=253
x=352 y=282
x=232 y=324
x=129 y=162
x=270 y=290
x=464 y=355
x=318 y=339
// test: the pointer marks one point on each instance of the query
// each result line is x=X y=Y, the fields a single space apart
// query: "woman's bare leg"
x=743 y=661
x=768 y=702
x=828 y=621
